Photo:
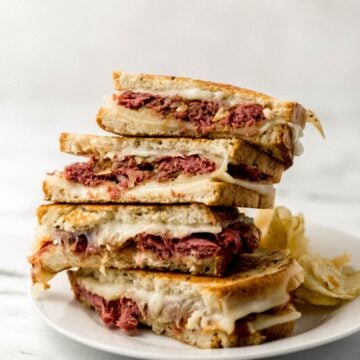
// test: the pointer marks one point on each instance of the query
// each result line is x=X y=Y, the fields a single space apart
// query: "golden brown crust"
x=63 y=140
x=46 y=191
x=249 y=288
x=42 y=210
x=99 y=118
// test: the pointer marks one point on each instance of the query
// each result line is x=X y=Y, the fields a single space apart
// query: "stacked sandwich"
x=151 y=222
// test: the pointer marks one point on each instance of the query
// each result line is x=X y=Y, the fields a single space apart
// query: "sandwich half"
x=222 y=172
x=187 y=238
x=153 y=105
x=249 y=306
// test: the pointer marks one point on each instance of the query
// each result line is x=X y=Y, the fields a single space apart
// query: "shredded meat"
x=199 y=112
x=76 y=242
x=200 y=248
x=246 y=172
x=83 y=173
x=128 y=172
x=244 y=115
x=238 y=238
x=123 y=313
x=250 y=235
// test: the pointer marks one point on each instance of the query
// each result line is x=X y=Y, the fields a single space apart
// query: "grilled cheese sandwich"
x=164 y=171
x=255 y=295
x=188 y=238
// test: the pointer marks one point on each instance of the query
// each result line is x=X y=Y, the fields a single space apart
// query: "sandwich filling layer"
x=125 y=314
x=189 y=111
x=206 y=115
x=191 y=302
x=122 y=313
x=233 y=240
x=129 y=171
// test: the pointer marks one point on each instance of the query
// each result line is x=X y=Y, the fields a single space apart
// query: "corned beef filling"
x=76 y=242
x=125 y=314
x=247 y=172
x=233 y=240
x=202 y=113
x=122 y=313
x=131 y=170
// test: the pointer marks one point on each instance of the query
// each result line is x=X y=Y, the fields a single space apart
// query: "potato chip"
x=262 y=219
x=304 y=294
x=327 y=281
x=313 y=119
x=341 y=260
x=284 y=231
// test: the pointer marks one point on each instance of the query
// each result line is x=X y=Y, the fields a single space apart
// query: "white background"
x=56 y=59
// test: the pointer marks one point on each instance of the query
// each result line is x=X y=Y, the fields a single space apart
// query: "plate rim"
x=203 y=353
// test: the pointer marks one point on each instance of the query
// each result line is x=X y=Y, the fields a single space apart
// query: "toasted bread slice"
x=147 y=170
x=277 y=133
x=213 y=193
x=239 y=309
x=46 y=264
x=234 y=150
x=187 y=238
x=83 y=217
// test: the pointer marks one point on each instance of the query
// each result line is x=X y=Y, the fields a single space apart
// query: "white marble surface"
x=56 y=59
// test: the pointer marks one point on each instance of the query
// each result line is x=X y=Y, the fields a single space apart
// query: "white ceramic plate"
x=316 y=327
